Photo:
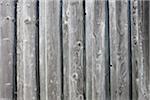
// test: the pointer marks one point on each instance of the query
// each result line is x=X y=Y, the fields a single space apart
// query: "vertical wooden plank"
x=140 y=50
x=73 y=32
x=135 y=49
x=140 y=81
x=145 y=33
x=6 y=48
x=113 y=47
x=142 y=71
x=145 y=48
x=95 y=50
x=26 y=58
x=120 y=50
x=50 y=65
x=122 y=62
x=89 y=49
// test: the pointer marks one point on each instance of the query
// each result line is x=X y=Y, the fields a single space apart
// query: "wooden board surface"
x=135 y=44
x=140 y=44
x=95 y=50
x=26 y=58
x=50 y=62
x=73 y=45
x=119 y=50
x=7 y=15
x=113 y=47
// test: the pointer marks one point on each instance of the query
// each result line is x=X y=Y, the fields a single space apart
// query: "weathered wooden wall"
x=74 y=50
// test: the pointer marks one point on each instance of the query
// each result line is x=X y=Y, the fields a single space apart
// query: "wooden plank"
x=73 y=44
x=50 y=65
x=6 y=48
x=26 y=58
x=135 y=47
x=142 y=74
x=145 y=77
x=120 y=62
x=113 y=48
x=95 y=50
x=140 y=50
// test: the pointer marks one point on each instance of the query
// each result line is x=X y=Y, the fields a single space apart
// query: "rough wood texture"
x=50 y=65
x=6 y=48
x=73 y=29
x=141 y=72
x=95 y=50
x=119 y=52
x=26 y=31
x=140 y=49
x=135 y=46
x=113 y=47
x=78 y=50
x=145 y=46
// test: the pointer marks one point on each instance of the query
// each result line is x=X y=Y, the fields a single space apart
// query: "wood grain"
x=141 y=55
x=119 y=52
x=78 y=50
x=50 y=65
x=95 y=50
x=135 y=47
x=140 y=44
x=6 y=48
x=113 y=47
x=26 y=58
x=146 y=67
x=73 y=31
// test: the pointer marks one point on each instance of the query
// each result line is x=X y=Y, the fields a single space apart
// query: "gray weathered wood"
x=113 y=47
x=140 y=50
x=135 y=45
x=95 y=50
x=145 y=37
x=6 y=48
x=50 y=65
x=142 y=71
x=73 y=50
x=26 y=31
x=119 y=52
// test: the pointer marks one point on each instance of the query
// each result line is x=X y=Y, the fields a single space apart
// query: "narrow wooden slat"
x=50 y=65
x=26 y=58
x=89 y=45
x=113 y=47
x=135 y=49
x=140 y=36
x=119 y=52
x=122 y=70
x=6 y=48
x=73 y=31
x=140 y=43
x=95 y=50
x=145 y=40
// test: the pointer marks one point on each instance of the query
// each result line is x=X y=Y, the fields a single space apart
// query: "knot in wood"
x=80 y=97
x=8 y=18
x=27 y=20
x=75 y=76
